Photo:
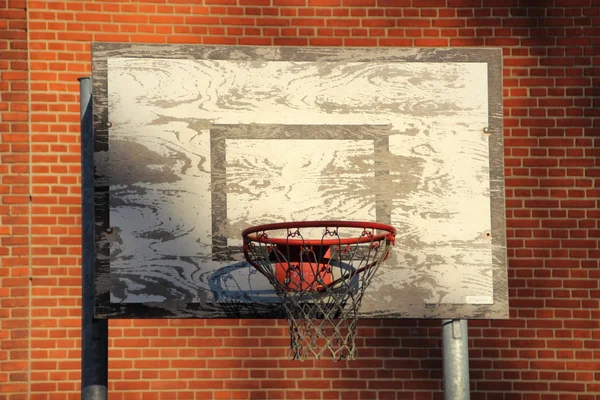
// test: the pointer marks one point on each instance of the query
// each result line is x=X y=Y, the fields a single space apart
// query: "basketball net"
x=321 y=282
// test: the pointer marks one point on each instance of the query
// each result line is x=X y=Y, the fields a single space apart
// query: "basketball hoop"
x=320 y=271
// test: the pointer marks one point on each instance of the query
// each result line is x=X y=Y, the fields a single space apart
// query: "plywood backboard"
x=195 y=143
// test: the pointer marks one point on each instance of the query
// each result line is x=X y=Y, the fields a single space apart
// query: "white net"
x=320 y=281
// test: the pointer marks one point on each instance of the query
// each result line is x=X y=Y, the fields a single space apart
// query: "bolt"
x=486 y=130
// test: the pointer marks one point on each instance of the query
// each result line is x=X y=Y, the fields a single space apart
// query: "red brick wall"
x=15 y=208
x=548 y=350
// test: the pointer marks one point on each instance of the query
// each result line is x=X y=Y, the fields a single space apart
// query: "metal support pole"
x=94 y=332
x=456 y=359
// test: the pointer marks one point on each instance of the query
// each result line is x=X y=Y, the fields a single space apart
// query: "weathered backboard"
x=195 y=143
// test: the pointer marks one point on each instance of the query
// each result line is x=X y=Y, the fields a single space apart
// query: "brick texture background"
x=548 y=350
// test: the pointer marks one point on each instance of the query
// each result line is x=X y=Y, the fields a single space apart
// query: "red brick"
x=343 y=22
x=394 y=3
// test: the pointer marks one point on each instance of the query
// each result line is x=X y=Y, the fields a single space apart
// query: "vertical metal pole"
x=94 y=332
x=456 y=359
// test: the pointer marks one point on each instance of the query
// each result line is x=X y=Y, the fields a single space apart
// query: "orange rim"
x=259 y=234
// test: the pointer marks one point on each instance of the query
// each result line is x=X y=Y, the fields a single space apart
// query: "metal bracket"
x=456 y=329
